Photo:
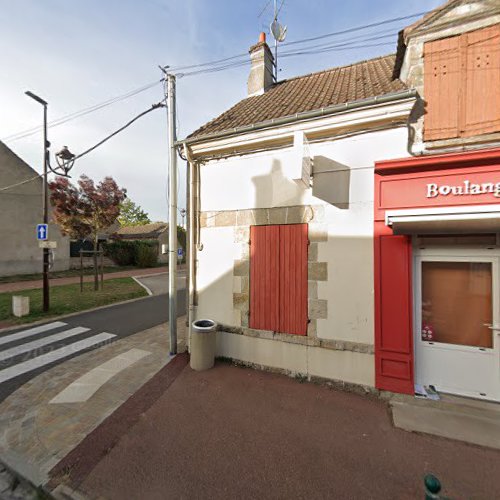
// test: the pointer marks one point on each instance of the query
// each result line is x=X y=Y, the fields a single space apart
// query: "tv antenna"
x=279 y=34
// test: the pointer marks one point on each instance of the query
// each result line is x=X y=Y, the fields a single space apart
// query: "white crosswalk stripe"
x=36 y=344
x=49 y=357
x=5 y=339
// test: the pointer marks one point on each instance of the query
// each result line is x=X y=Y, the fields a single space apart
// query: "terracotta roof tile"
x=141 y=232
x=310 y=92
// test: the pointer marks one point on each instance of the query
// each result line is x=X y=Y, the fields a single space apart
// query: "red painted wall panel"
x=393 y=298
x=278 y=278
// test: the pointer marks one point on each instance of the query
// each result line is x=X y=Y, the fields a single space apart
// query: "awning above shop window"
x=447 y=220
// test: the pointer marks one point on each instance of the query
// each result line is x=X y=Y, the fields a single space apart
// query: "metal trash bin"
x=203 y=344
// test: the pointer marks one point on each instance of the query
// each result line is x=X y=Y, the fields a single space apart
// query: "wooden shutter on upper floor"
x=441 y=88
x=482 y=82
x=462 y=85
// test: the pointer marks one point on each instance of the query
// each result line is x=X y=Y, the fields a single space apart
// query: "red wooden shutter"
x=278 y=278
x=293 y=279
x=264 y=283
x=442 y=88
x=482 y=83
x=393 y=341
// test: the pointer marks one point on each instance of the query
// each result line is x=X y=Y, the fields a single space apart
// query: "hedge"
x=142 y=253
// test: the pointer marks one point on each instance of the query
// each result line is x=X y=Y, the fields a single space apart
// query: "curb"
x=141 y=284
x=80 y=462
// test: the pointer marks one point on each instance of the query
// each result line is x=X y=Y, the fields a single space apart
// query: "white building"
x=292 y=190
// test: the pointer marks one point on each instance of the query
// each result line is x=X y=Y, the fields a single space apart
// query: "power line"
x=357 y=28
x=77 y=114
x=152 y=108
x=304 y=40
x=31 y=179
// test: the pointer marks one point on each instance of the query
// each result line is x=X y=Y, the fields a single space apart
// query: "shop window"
x=462 y=85
x=457 y=303
x=278 y=278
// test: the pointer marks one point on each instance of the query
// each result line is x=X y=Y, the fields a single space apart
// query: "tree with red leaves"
x=83 y=211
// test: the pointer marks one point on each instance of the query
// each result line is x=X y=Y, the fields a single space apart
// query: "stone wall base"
x=342 y=367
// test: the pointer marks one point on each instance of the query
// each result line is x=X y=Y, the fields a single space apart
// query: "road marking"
x=20 y=349
x=87 y=385
x=50 y=357
x=143 y=285
x=32 y=331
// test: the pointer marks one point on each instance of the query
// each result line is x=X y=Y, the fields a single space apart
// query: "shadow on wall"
x=418 y=111
x=331 y=182
x=276 y=189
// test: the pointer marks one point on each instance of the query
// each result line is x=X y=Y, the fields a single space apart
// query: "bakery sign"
x=465 y=188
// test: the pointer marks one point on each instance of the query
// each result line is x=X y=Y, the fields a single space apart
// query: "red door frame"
x=401 y=184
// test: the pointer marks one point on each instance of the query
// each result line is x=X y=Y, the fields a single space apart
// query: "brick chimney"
x=261 y=71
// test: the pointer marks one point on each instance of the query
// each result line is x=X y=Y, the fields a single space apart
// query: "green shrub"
x=120 y=252
x=146 y=254
x=142 y=253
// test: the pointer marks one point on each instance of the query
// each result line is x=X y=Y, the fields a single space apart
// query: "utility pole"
x=45 y=198
x=172 y=224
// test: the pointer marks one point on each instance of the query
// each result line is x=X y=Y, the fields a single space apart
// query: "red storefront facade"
x=450 y=194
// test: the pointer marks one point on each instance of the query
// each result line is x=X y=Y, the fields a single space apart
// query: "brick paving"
x=28 y=285
x=41 y=434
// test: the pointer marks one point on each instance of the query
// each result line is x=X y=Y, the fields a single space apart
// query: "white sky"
x=75 y=54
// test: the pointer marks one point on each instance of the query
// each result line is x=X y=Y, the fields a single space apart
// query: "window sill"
x=460 y=143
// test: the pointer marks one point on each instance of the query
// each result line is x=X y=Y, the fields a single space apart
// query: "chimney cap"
x=262 y=37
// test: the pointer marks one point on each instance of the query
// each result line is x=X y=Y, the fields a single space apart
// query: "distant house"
x=157 y=231
x=20 y=212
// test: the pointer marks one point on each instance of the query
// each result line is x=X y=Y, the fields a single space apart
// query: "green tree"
x=84 y=210
x=132 y=214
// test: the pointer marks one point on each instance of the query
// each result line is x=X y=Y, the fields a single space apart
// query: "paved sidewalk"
x=27 y=285
x=233 y=432
x=35 y=433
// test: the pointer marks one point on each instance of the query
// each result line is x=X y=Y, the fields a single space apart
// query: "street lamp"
x=45 y=198
x=65 y=160
x=183 y=214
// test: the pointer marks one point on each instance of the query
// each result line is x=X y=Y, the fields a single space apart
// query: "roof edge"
x=305 y=115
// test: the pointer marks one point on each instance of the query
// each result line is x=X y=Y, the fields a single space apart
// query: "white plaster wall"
x=260 y=181
x=215 y=274
x=349 y=249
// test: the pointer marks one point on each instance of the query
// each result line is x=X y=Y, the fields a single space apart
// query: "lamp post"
x=45 y=198
x=65 y=160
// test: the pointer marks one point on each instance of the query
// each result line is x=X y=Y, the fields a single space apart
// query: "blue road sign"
x=179 y=252
x=42 y=232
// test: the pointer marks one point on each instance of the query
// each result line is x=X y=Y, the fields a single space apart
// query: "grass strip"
x=66 y=299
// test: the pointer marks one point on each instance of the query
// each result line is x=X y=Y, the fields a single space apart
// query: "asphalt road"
x=28 y=351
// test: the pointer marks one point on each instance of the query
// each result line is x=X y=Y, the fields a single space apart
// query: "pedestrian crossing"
x=31 y=349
